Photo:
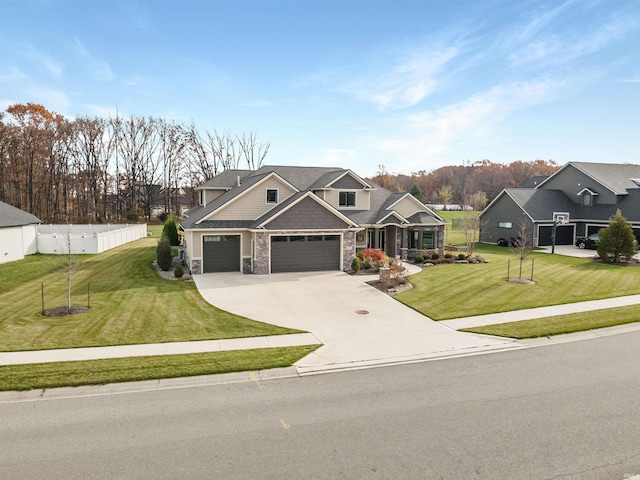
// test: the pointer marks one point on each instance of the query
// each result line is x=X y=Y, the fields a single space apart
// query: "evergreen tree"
x=617 y=241
x=170 y=231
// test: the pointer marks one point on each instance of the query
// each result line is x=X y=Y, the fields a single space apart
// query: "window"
x=587 y=199
x=414 y=239
x=347 y=199
x=505 y=225
x=272 y=195
x=428 y=240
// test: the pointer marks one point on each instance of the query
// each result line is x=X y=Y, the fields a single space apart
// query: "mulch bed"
x=64 y=311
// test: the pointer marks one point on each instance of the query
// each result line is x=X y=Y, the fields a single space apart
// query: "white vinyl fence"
x=56 y=239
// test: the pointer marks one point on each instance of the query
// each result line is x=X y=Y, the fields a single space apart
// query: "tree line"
x=93 y=169
x=468 y=184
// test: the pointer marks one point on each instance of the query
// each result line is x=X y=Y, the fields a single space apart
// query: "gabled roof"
x=293 y=200
x=11 y=216
x=302 y=180
x=225 y=180
x=616 y=177
x=328 y=179
x=537 y=204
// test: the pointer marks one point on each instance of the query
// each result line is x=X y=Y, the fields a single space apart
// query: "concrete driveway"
x=358 y=325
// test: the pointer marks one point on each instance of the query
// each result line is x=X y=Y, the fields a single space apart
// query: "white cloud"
x=54 y=100
x=45 y=61
x=435 y=133
x=256 y=104
x=559 y=49
x=99 y=68
x=12 y=74
x=407 y=83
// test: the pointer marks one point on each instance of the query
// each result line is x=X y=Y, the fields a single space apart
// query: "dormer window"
x=587 y=197
x=272 y=195
x=347 y=199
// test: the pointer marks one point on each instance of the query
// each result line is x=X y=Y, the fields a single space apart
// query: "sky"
x=411 y=85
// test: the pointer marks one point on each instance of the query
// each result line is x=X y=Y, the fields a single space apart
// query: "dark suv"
x=588 y=242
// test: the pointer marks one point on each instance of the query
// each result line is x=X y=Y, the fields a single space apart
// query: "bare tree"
x=522 y=244
x=252 y=151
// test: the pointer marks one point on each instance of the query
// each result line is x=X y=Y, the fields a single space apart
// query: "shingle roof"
x=302 y=178
x=540 y=204
x=11 y=216
x=617 y=177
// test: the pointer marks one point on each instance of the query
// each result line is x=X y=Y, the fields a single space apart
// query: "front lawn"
x=130 y=303
x=461 y=290
x=99 y=372
x=559 y=324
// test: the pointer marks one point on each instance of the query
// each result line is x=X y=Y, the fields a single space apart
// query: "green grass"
x=130 y=303
x=98 y=372
x=574 y=322
x=453 y=236
x=460 y=290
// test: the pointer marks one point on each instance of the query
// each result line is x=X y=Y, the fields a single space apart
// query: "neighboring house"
x=589 y=193
x=179 y=200
x=18 y=233
x=290 y=219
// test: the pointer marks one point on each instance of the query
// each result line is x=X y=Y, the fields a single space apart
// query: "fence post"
x=508 y=267
x=88 y=295
x=42 y=298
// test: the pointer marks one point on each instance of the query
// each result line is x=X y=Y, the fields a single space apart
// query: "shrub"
x=448 y=256
x=359 y=255
x=419 y=259
x=355 y=264
x=163 y=217
x=164 y=254
x=462 y=256
x=435 y=256
x=178 y=271
x=374 y=256
x=366 y=264
x=170 y=231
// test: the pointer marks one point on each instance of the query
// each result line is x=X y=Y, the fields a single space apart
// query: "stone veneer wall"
x=263 y=248
x=348 y=249
x=196 y=267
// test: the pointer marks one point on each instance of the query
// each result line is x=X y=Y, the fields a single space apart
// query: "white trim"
x=355 y=198
x=266 y=196
x=241 y=194
x=395 y=214
x=423 y=207
x=591 y=192
x=353 y=175
x=318 y=200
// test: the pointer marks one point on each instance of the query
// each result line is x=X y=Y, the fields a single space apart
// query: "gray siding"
x=571 y=181
x=503 y=210
x=347 y=182
x=307 y=214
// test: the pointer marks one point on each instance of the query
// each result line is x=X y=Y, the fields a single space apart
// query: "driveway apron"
x=358 y=325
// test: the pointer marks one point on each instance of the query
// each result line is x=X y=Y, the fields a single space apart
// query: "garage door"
x=564 y=235
x=220 y=253
x=305 y=253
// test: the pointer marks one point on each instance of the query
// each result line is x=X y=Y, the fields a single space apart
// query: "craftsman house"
x=587 y=194
x=294 y=219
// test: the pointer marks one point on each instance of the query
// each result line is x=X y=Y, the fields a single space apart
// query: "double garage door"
x=564 y=235
x=293 y=253
x=305 y=253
